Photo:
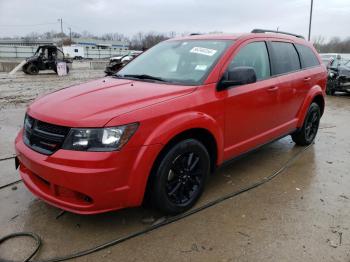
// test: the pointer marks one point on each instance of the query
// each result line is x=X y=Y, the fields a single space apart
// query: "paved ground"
x=302 y=215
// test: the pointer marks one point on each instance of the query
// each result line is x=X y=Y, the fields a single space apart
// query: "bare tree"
x=334 y=45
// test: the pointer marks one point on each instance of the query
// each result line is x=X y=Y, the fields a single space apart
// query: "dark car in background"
x=338 y=76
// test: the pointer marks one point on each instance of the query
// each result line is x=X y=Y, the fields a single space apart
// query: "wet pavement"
x=301 y=215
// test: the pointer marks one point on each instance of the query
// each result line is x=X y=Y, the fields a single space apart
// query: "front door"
x=250 y=109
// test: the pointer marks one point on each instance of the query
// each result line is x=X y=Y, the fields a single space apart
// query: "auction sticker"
x=203 y=51
x=200 y=67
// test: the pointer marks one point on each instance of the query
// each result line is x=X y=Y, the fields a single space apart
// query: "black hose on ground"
x=11 y=183
x=25 y=234
x=7 y=158
x=161 y=224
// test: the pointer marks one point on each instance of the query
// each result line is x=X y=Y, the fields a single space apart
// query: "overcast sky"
x=20 y=17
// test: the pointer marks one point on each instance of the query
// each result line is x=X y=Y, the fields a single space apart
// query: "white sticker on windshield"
x=201 y=67
x=203 y=51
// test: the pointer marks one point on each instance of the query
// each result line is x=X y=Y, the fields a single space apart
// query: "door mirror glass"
x=240 y=75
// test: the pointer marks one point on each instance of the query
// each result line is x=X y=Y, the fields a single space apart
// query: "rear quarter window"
x=307 y=56
x=285 y=58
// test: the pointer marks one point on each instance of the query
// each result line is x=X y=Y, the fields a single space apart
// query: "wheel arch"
x=316 y=95
x=319 y=99
x=190 y=125
x=202 y=135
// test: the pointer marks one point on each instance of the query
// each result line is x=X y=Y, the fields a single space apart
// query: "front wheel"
x=306 y=135
x=32 y=69
x=180 y=177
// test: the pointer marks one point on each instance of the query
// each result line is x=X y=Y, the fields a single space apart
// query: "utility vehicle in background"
x=46 y=57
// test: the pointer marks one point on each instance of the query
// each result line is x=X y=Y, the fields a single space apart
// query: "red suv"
x=165 y=121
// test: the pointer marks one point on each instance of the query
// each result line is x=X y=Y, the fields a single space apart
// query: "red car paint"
x=240 y=119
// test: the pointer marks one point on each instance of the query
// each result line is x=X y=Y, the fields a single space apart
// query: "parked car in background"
x=328 y=57
x=338 y=76
x=161 y=125
x=117 y=62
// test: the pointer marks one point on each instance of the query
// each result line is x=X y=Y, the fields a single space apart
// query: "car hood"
x=344 y=71
x=94 y=103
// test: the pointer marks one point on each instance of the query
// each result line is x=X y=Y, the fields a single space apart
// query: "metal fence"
x=27 y=51
x=103 y=53
x=17 y=51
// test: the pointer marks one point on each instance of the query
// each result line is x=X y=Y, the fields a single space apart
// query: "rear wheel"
x=306 y=135
x=330 y=91
x=330 y=88
x=24 y=68
x=32 y=69
x=180 y=177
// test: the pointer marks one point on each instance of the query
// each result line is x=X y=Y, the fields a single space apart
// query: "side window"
x=254 y=55
x=285 y=58
x=307 y=56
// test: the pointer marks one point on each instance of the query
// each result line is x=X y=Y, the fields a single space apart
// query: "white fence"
x=103 y=53
x=17 y=51
x=27 y=51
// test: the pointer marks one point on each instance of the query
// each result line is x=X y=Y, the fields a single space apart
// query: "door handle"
x=273 y=89
x=307 y=78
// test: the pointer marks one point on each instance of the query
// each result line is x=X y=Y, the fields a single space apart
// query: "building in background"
x=91 y=43
x=95 y=48
x=80 y=48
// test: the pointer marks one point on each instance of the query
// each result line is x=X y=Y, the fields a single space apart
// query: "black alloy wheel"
x=306 y=135
x=180 y=177
x=184 y=178
x=312 y=124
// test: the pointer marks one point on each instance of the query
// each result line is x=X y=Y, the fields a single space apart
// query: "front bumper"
x=86 y=182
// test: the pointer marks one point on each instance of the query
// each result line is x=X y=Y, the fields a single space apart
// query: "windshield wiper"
x=144 y=76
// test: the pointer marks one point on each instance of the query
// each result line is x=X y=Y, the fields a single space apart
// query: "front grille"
x=43 y=137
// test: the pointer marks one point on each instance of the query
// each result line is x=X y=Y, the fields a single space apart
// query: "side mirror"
x=240 y=75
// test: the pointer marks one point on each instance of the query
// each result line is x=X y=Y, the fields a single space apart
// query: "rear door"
x=250 y=109
x=311 y=66
x=286 y=66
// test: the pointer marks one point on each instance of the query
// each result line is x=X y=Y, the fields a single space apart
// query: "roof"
x=241 y=36
x=99 y=42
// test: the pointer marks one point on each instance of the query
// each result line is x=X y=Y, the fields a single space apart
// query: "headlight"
x=99 y=139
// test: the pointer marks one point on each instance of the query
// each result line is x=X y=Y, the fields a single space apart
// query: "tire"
x=329 y=91
x=306 y=135
x=179 y=178
x=330 y=88
x=32 y=69
x=67 y=69
x=24 y=68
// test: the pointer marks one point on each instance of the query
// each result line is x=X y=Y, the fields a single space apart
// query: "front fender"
x=179 y=123
x=313 y=92
x=157 y=140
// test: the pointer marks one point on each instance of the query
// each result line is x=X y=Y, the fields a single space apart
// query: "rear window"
x=285 y=58
x=307 y=56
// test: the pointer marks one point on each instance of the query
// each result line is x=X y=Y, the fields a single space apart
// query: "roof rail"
x=273 y=31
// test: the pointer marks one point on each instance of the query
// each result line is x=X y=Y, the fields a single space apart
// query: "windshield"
x=178 y=61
